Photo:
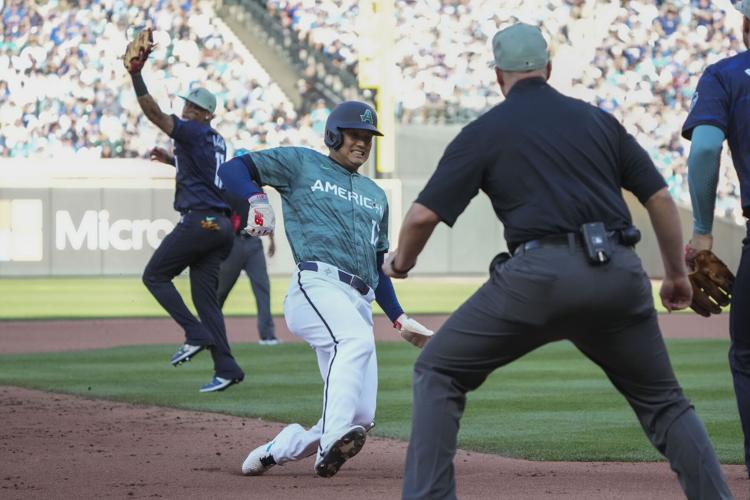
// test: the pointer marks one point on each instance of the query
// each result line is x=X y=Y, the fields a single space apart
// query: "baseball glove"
x=138 y=50
x=712 y=283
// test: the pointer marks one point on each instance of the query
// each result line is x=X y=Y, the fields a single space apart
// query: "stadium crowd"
x=643 y=69
x=64 y=91
x=646 y=71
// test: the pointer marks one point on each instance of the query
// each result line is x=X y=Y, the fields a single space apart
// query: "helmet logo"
x=367 y=117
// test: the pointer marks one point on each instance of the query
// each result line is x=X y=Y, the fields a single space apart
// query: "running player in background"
x=337 y=225
x=203 y=237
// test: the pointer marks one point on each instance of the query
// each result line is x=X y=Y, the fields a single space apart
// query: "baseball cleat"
x=269 y=342
x=329 y=462
x=258 y=461
x=185 y=352
x=219 y=384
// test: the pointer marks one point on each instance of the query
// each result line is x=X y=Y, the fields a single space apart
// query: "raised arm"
x=135 y=57
x=152 y=110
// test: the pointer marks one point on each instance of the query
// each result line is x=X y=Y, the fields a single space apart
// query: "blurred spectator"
x=63 y=92
x=62 y=86
x=643 y=69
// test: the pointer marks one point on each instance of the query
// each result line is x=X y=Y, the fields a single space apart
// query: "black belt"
x=218 y=211
x=350 y=279
x=244 y=234
x=570 y=239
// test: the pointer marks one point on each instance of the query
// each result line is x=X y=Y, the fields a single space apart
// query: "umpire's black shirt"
x=548 y=162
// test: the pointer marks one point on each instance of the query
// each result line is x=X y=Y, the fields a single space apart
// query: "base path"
x=59 y=446
x=67 y=335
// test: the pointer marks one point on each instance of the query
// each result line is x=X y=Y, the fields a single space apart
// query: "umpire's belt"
x=350 y=279
x=572 y=240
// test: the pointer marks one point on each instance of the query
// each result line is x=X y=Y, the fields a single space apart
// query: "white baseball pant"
x=336 y=321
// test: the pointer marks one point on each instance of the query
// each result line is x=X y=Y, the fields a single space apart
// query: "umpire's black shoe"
x=185 y=352
x=330 y=461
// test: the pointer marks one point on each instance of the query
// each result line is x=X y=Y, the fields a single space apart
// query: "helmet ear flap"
x=333 y=139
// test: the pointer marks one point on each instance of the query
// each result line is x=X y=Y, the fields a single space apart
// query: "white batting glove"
x=260 y=219
x=412 y=330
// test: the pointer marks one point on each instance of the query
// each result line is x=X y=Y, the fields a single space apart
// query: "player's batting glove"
x=412 y=330
x=138 y=50
x=712 y=282
x=261 y=219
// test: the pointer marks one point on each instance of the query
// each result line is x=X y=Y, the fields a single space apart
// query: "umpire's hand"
x=389 y=269
x=676 y=293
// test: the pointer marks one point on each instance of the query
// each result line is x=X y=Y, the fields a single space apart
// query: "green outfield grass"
x=96 y=297
x=550 y=405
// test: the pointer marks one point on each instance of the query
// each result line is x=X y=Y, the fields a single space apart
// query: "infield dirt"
x=59 y=446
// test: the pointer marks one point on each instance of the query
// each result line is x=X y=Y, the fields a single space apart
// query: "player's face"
x=355 y=150
x=192 y=112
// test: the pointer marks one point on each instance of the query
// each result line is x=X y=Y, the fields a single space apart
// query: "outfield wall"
x=106 y=217
x=102 y=217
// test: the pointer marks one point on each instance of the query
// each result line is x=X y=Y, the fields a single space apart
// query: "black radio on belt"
x=630 y=236
x=596 y=242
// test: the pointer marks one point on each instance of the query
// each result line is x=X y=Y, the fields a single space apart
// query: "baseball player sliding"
x=337 y=226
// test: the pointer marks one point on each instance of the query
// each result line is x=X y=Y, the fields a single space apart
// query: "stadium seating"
x=65 y=93
x=643 y=68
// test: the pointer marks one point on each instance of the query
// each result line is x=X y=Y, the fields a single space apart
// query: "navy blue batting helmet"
x=349 y=114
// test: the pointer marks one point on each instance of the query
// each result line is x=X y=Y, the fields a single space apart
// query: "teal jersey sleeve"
x=382 y=244
x=331 y=215
x=278 y=167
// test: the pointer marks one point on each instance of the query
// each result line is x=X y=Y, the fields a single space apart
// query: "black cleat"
x=344 y=448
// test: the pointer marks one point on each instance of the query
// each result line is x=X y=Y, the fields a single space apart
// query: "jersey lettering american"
x=330 y=214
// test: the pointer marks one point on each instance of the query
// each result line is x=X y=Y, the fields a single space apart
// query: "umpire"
x=553 y=167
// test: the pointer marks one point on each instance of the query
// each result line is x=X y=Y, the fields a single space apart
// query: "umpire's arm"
x=152 y=111
x=417 y=228
x=676 y=291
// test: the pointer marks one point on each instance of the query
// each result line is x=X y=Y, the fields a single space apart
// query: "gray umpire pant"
x=247 y=254
x=540 y=296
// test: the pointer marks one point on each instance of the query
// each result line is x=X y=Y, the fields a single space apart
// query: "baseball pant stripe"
x=333 y=357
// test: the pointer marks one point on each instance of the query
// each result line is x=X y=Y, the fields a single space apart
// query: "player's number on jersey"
x=219 y=160
x=375 y=233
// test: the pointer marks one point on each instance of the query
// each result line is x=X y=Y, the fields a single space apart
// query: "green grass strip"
x=126 y=297
x=551 y=405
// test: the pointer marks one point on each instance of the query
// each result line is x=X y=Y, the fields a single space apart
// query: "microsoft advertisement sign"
x=81 y=231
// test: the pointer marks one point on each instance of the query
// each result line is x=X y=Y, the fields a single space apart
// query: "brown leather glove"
x=137 y=51
x=712 y=282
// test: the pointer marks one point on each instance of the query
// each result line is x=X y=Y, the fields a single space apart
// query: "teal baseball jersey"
x=331 y=215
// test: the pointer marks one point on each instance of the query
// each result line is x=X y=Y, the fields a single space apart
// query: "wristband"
x=397 y=270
